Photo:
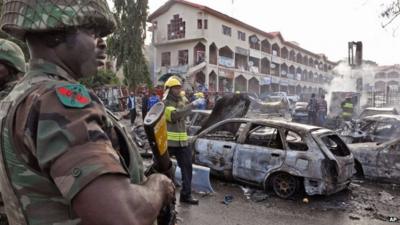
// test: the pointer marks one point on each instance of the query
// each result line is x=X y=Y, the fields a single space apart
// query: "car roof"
x=278 y=123
x=383 y=117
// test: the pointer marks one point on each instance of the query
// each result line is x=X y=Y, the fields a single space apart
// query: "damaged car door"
x=258 y=153
x=215 y=148
x=340 y=167
x=388 y=161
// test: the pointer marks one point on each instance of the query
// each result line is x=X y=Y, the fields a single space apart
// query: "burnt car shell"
x=378 y=161
x=195 y=120
x=321 y=169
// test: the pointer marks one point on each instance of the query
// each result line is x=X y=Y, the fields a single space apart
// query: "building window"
x=241 y=35
x=183 y=57
x=166 y=59
x=254 y=42
x=176 y=28
x=226 y=30
x=199 y=24
x=205 y=24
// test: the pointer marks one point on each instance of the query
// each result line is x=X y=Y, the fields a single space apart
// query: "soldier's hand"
x=162 y=184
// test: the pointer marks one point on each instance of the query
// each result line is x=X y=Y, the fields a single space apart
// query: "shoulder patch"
x=73 y=95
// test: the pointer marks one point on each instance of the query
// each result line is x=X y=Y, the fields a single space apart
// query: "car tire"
x=285 y=185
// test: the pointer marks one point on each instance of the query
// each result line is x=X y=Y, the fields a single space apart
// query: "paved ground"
x=364 y=203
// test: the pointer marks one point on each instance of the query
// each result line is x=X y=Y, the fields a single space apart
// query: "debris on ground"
x=227 y=199
x=354 y=217
x=385 y=197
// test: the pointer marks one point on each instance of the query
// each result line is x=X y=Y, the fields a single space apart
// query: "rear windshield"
x=335 y=145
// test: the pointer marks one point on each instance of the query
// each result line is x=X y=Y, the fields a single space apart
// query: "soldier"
x=12 y=66
x=62 y=160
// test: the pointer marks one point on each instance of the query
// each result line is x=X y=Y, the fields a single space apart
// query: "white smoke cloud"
x=346 y=81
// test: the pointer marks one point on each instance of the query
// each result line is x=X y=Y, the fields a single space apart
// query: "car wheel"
x=285 y=185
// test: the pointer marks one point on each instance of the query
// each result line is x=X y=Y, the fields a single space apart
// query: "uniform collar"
x=43 y=66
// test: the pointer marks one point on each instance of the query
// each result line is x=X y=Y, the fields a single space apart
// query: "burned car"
x=284 y=156
x=370 y=111
x=377 y=128
x=378 y=161
x=195 y=120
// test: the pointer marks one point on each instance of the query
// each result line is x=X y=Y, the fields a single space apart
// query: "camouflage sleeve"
x=72 y=145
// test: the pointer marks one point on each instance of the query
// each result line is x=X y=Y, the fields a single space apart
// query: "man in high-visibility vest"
x=176 y=110
x=347 y=109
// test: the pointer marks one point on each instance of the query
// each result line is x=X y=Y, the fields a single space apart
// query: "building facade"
x=387 y=78
x=213 y=50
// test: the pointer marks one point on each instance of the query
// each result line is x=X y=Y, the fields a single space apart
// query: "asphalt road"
x=364 y=203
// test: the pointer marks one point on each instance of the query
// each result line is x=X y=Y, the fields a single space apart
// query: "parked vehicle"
x=300 y=113
x=378 y=161
x=291 y=98
x=283 y=155
x=377 y=128
x=370 y=111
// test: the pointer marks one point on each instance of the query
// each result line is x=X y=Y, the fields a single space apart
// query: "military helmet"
x=12 y=55
x=19 y=17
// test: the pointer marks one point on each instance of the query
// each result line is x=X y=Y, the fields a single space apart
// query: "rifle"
x=155 y=126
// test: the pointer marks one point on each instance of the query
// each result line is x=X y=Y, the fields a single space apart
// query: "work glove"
x=198 y=102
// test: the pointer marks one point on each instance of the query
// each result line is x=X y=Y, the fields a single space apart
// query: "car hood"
x=229 y=106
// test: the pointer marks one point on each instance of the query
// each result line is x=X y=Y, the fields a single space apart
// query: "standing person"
x=176 y=110
x=12 y=66
x=347 y=108
x=322 y=110
x=61 y=160
x=312 y=109
x=152 y=100
x=199 y=95
x=131 y=103
x=145 y=103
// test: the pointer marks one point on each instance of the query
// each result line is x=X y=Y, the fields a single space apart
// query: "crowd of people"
x=317 y=110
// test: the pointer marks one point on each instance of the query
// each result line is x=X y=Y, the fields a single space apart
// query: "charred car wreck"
x=284 y=156
x=378 y=161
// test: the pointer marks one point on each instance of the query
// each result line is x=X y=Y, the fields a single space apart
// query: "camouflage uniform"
x=12 y=56
x=56 y=135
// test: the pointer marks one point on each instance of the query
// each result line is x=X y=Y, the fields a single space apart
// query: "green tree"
x=21 y=44
x=126 y=44
x=103 y=77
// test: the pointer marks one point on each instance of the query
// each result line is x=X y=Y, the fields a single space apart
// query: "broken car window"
x=335 y=145
x=295 y=141
x=226 y=132
x=264 y=136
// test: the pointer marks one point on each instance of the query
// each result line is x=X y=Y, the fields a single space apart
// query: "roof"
x=383 y=118
x=279 y=123
x=164 y=8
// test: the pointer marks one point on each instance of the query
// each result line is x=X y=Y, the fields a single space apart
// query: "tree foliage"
x=126 y=44
x=390 y=12
x=10 y=38
x=103 y=77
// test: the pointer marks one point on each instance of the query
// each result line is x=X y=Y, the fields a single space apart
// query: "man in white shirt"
x=132 y=107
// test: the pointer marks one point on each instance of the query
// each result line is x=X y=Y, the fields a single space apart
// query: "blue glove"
x=199 y=101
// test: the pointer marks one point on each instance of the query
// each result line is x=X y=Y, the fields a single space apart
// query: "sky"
x=321 y=26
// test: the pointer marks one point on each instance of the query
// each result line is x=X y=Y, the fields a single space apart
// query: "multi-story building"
x=387 y=78
x=224 y=54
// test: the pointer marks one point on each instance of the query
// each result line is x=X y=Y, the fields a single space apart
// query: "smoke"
x=345 y=80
